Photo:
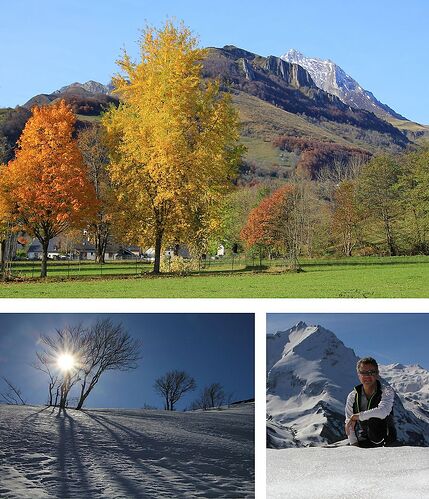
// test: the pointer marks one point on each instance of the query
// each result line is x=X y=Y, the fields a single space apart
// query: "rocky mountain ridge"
x=277 y=101
x=91 y=86
x=333 y=79
x=290 y=87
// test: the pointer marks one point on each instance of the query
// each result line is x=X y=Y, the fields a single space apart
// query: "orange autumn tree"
x=274 y=225
x=46 y=189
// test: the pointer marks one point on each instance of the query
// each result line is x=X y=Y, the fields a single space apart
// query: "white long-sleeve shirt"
x=383 y=409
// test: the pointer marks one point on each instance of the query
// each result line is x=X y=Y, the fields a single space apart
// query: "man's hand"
x=350 y=423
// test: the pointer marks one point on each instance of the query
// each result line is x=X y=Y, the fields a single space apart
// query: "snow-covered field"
x=120 y=453
x=348 y=472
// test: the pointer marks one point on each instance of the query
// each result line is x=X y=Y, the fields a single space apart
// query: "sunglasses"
x=368 y=373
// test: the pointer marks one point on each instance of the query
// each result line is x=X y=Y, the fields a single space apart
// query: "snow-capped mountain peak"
x=332 y=79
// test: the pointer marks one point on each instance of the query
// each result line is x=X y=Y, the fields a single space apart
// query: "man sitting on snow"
x=369 y=409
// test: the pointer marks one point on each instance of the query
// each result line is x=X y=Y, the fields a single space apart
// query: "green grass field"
x=364 y=277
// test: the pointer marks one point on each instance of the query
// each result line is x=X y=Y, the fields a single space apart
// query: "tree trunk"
x=101 y=240
x=82 y=396
x=84 y=393
x=63 y=397
x=81 y=401
x=389 y=238
x=2 y=255
x=44 y=267
x=56 y=396
x=348 y=243
x=50 y=394
x=158 y=244
x=99 y=254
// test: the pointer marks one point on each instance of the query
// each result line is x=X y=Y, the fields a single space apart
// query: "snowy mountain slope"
x=332 y=79
x=348 y=472
x=412 y=385
x=309 y=378
x=126 y=453
x=310 y=373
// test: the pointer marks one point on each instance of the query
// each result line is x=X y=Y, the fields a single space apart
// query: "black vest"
x=373 y=402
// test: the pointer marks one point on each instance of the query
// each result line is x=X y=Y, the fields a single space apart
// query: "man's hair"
x=367 y=360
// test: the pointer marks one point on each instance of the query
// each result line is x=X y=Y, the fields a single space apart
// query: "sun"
x=66 y=362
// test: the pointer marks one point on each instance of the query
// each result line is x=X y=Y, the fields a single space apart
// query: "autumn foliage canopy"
x=45 y=189
x=267 y=224
x=173 y=139
x=47 y=183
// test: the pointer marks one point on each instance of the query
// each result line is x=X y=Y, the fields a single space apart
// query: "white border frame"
x=259 y=307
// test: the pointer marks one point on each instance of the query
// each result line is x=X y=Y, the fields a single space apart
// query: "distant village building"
x=82 y=251
x=220 y=250
x=35 y=250
x=178 y=250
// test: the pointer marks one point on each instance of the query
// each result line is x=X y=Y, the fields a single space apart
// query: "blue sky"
x=389 y=338
x=210 y=347
x=384 y=45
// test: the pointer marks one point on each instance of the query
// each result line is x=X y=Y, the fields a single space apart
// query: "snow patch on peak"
x=293 y=53
x=300 y=325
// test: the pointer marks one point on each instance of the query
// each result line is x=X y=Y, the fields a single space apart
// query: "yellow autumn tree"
x=45 y=190
x=173 y=140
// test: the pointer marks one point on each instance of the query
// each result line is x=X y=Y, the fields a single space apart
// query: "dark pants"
x=374 y=433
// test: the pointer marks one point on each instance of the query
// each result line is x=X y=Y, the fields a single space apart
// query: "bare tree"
x=102 y=347
x=66 y=341
x=211 y=396
x=172 y=386
x=96 y=156
x=13 y=395
x=331 y=175
x=107 y=347
x=43 y=364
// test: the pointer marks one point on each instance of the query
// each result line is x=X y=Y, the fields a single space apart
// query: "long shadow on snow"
x=128 y=453
x=209 y=459
x=71 y=468
x=35 y=414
